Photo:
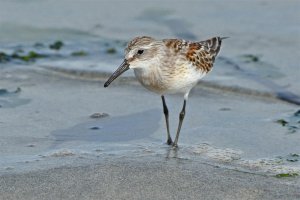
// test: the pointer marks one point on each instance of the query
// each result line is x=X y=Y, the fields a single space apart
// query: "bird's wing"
x=175 y=45
x=202 y=54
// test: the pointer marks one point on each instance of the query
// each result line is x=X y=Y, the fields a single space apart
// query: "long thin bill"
x=123 y=67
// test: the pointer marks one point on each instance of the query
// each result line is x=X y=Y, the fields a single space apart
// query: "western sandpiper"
x=169 y=66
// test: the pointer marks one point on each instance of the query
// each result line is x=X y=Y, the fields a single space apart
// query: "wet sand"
x=146 y=178
x=51 y=148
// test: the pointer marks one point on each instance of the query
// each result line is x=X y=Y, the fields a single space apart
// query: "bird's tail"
x=213 y=45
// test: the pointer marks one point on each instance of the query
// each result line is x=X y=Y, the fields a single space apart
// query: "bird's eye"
x=141 y=51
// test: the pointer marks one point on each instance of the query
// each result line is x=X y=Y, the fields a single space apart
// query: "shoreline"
x=95 y=76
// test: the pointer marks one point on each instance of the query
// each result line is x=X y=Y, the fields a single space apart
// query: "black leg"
x=166 y=112
x=181 y=117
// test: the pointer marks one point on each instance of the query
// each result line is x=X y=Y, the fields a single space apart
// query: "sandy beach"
x=149 y=178
x=64 y=136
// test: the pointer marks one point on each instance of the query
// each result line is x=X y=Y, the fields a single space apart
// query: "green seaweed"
x=282 y=122
x=30 y=56
x=79 y=53
x=57 y=45
x=250 y=58
x=4 y=57
x=111 y=50
x=285 y=175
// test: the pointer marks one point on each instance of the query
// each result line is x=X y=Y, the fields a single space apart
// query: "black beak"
x=123 y=68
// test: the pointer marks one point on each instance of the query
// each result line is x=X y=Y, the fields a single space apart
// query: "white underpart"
x=180 y=83
x=185 y=82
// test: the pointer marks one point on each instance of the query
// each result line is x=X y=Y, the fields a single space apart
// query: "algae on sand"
x=57 y=45
x=286 y=175
x=79 y=53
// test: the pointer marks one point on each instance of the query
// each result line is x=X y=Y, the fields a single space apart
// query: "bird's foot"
x=169 y=141
x=175 y=145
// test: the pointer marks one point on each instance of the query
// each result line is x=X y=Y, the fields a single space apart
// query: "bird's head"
x=139 y=53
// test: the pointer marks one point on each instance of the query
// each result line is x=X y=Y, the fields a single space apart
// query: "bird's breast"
x=178 y=79
x=151 y=79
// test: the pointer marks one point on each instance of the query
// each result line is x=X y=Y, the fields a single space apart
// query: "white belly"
x=162 y=82
x=185 y=82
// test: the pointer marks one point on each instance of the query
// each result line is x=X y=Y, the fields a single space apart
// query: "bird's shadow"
x=130 y=127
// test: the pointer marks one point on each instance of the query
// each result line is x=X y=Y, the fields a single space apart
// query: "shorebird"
x=169 y=66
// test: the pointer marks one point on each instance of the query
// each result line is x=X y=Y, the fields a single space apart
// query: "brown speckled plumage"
x=201 y=54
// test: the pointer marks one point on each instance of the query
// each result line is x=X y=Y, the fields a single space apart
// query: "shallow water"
x=234 y=131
